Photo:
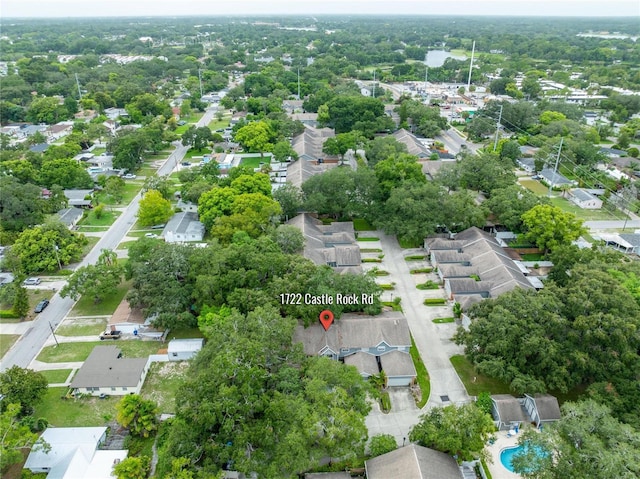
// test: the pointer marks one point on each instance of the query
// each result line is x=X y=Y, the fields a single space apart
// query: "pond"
x=436 y=58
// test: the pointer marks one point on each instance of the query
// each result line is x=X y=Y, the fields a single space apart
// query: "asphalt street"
x=29 y=345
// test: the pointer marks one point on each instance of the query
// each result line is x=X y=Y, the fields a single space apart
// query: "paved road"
x=28 y=346
x=453 y=141
x=432 y=340
x=612 y=225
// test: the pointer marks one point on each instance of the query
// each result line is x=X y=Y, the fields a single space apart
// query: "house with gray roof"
x=70 y=216
x=79 y=198
x=584 y=199
x=413 y=462
x=555 y=179
x=527 y=164
x=334 y=244
x=105 y=371
x=301 y=170
x=542 y=408
x=183 y=227
x=474 y=266
x=370 y=343
x=507 y=411
x=308 y=144
x=414 y=145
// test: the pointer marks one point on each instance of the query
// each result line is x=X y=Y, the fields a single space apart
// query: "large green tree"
x=138 y=415
x=95 y=281
x=15 y=436
x=549 y=227
x=462 y=431
x=154 y=209
x=21 y=205
x=23 y=386
x=65 y=172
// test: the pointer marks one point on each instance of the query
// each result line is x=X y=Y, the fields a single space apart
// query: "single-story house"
x=74 y=453
x=527 y=164
x=413 y=462
x=70 y=216
x=79 y=198
x=105 y=371
x=627 y=243
x=183 y=227
x=183 y=349
x=507 y=411
x=414 y=145
x=584 y=199
x=334 y=244
x=612 y=152
x=542 y=408
x=39 y=148
x=370 y=343
x=555 y=179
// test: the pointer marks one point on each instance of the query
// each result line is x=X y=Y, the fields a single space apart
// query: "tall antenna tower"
x=473 y=50
x=78 y=85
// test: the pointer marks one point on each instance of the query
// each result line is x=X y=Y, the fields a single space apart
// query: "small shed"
x=183 y=349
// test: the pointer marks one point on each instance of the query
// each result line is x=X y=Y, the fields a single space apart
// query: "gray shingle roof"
x=397 y=363
x=329 y=244
x=547 y=406
x=582 y=195
x=555 y=178
x=311 y=140
x=103 y=368
x=185 y=223
x=355 y=331
x=301 y=170
x=414 y=147
x=509 y=408
x=413 y=462
x=364 y=362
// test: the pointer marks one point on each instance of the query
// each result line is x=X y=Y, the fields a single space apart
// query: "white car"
x=151 y=235
x=32 y=281
x=129 y=176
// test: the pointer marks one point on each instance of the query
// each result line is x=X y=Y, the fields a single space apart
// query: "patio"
x=498 y=471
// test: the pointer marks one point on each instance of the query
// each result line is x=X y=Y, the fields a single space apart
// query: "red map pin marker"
x=326 y=318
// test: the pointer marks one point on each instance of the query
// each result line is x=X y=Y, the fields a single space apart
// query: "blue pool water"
x=507 y=454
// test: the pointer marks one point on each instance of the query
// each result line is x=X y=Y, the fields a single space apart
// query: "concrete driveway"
x=398 y=422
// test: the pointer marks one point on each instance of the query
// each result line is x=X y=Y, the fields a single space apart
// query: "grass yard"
x=444 y=320
x=193 y=153
x=56 y=376
x=254 y=161
x=84 y=412
x=421 y=270
x=131 y=189
x=82 y=327
x=393 y=305
x=360 y=224
x=474 y=382
x=370 y=250
x=586 y=215
x=535 y=186
x=70 y=352
x=86 y=307
x=91 y=242
x=532 y=256
x=422 y=374
x=162 y=383
x=6 y=341
x=126 y=244
x=415 y=257
x=365 y=239
x=406 y=243
x=106 y=219
x=185 y=333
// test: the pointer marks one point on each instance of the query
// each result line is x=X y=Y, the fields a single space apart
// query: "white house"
x=585 y=200
x=74 y=454
x=183 y=227
x=183 y=349
x=106 y=372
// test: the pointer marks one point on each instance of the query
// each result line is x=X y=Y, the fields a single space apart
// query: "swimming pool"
x=508 y=453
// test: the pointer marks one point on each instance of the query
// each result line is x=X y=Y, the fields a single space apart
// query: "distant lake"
x=436 y=58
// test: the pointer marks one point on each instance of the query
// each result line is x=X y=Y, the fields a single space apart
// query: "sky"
x=134 y=8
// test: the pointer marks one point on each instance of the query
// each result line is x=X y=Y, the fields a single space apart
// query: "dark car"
x=41 y=306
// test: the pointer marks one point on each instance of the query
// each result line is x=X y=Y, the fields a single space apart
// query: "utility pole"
x=200 y=80
x=555 y=168
x=54 y=333
x=473 y=50
x=495 y=142
x=78 y=85
x=374 y=83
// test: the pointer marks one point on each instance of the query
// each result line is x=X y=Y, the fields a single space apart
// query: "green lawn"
x=586 y=215
x=91 y=242
x=131 y=189
x=405 y=243
x=66 y=352
x=254 y=161
x=126 y=244
x=368 y=238
x=82 y=327
x=6 y=341
x=532 y=256
x=84 y=412
x=106 y=219
x=422 y=374
x=416 y=257
x=193 y=153
x=474 y=382
x=185 y=333
x=162 y=383
x=216 y=124
x=360 y=224
x=99 y=151
x=535 y=186
x=56 y=376
x=86 y=307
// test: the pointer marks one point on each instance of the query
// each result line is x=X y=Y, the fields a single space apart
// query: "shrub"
x=415 y=257
x=428 y=285
x=421 y=270
x=385 y=401
x=434 y=301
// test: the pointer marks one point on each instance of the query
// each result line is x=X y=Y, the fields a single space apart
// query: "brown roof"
x=413 y=462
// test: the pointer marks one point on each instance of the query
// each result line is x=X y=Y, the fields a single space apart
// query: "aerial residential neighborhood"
x=323 y=245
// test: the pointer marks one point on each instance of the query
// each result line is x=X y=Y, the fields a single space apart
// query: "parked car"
x=151 y=235
x=40 y=307
x=32 y=281
x=110 y=335
x=130 y=176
